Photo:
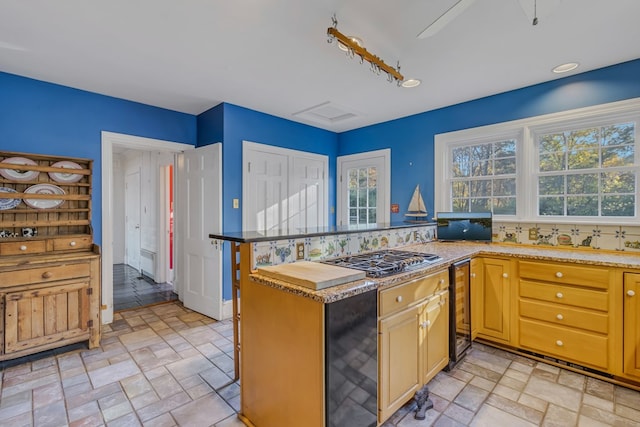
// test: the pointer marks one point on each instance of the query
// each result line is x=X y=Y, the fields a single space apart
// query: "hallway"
x=131 y=289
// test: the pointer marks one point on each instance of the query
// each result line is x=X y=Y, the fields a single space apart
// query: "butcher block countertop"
x=452 y=252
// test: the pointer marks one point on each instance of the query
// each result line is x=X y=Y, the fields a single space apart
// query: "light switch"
x=236 y=203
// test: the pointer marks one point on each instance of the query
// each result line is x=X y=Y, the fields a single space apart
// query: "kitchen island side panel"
x=282 y=358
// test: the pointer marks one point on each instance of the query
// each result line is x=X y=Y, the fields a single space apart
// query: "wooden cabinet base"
x=49 y=301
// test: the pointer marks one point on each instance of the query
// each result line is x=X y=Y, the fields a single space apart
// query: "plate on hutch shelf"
x=19 y=175
x=64 y=177
x=44 y=203
x=8 y=203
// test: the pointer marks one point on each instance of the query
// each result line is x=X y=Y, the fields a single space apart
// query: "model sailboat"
x=417 y=208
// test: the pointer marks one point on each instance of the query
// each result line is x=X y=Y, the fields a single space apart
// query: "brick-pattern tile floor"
x=161 y=366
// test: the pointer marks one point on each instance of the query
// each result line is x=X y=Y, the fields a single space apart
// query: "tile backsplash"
x=322 y=247
x=580 y=236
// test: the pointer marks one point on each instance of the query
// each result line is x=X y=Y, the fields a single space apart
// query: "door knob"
x=631 y=293
x=505 y=275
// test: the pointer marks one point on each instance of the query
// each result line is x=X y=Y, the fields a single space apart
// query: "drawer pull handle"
x=559 y=274
x=23 y=247
x=559 y=317
x=72 y=243
x=425 y=324
x=631 y=293
x=399 y=298
x=47 y=275
x=559 y=343
x=559 y=295
x=505 y=275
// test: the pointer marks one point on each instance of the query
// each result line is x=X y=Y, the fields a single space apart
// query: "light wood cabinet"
x=413 y=341
x=399 y=347
x=564 y=311
x=492 y=285
x=49 y=265
x=434 y=325
x=631 y=326
x=475 y=295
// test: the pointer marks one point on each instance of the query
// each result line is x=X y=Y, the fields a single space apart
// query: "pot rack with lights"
x=353 y=47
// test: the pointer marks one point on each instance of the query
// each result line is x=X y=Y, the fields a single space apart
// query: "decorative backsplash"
x=323 y=247
x=580 y=236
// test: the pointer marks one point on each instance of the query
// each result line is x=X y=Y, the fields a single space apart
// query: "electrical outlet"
x=533 y=234
x=299 y=250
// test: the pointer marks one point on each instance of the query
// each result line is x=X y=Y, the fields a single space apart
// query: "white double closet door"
x=283 y=189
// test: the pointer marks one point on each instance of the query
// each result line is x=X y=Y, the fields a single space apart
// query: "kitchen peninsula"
x=574 y=308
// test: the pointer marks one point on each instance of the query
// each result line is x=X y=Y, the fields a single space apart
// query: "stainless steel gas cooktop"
x=384 y=263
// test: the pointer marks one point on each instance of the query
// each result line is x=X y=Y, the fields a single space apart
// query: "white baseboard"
x=227 y=309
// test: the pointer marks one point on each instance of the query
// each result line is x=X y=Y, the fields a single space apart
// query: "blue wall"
x=411 y=138
x=39 y=117
x=241 y=124
x=44 y=118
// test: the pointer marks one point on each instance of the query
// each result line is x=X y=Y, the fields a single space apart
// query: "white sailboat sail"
x=416 y=205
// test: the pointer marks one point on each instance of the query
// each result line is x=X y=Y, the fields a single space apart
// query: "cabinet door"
x=476 y=295
x=43 y=316
x=434 y=324
x=495 y=310
x=632 y=324
x=398 y=363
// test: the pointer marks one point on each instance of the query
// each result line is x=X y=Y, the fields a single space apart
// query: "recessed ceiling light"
x=410 y=83
x=356 y=40
x=564 y=68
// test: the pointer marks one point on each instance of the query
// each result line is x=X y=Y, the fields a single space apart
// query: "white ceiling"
x=272 y=55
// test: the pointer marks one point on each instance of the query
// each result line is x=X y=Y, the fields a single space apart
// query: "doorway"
x=140 y=193
x=111 y=144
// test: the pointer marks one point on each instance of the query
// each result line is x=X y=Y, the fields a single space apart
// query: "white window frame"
x=384 y=182
x=525 y=131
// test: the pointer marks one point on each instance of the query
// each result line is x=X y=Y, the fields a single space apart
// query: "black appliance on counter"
x=459 y=311
x=469 y=226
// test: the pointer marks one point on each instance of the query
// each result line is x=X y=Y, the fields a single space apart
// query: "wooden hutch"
x=49 y=265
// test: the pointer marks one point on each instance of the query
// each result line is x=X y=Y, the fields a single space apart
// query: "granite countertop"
x=452 y=252
x=255 y=236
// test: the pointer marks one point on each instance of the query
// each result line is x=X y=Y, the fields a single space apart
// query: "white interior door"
x=265 y=200
x=283 y=189
x=132 y=219
x=364 y=188
x=198 y=211
x=307 y=207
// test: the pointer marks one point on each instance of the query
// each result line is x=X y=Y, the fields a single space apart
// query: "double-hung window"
x=587 y=171
x=579 y=166
x=483 y=177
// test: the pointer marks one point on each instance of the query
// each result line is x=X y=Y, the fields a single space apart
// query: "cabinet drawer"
x=44 y=274
x=577 y=297
x=71 y=243
x=581 y=347
x=567 y=274
x=23 y=248
x=403 y=295
x=563 y=315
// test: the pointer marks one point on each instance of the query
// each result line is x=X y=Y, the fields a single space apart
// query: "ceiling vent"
x=327 y=113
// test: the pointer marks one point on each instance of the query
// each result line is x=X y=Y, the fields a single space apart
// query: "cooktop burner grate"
x=384 y=263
